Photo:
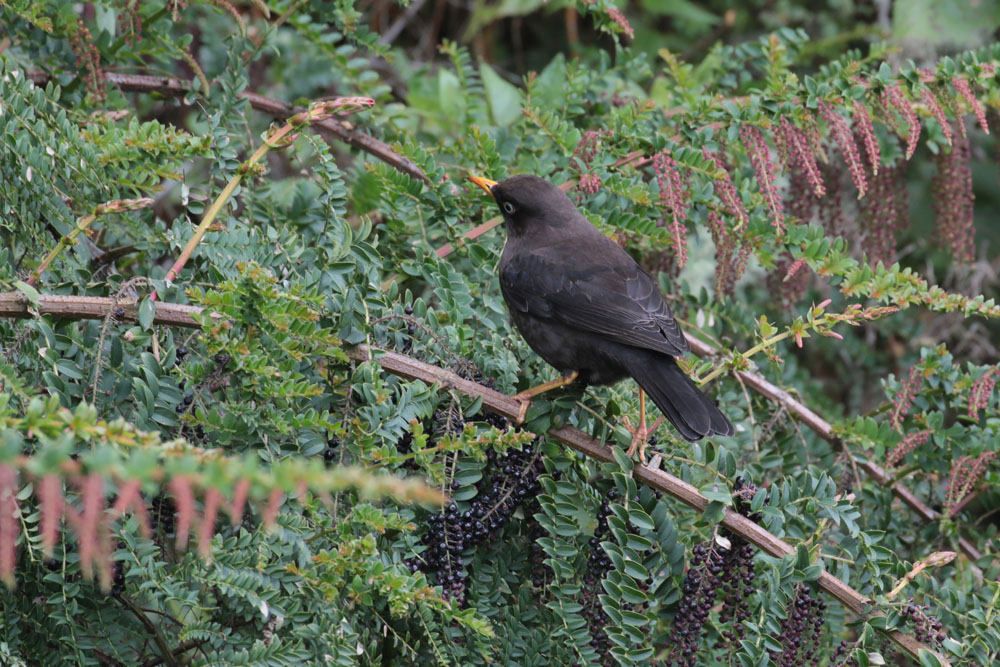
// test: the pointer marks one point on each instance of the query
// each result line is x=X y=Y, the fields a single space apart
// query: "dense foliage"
x=812 y=211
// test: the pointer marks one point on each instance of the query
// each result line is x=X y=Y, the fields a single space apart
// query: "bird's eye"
x=507 y=206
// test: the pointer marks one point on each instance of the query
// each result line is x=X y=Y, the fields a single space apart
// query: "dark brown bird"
x=588 y=309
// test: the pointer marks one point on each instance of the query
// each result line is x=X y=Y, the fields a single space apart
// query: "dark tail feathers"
x=692 y=413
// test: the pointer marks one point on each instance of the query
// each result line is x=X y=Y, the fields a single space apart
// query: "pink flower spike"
x=905 y=446
x=895 y=99
x=845 y=140
x=824 y=303
x=800 y=154
x=726 y=189
x=760 y=160
x=962 y=86
x=622 y=22
x=935 y=108
x=863 y=124
x=674 y=200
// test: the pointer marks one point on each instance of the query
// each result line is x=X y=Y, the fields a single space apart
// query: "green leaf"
x=147 y=313
x=714 y=493
x=504 y=98
x=28 y=291
x=801 y=557
x=625 y=462
x=638 y=518
x=714 y=513
x=928 y=658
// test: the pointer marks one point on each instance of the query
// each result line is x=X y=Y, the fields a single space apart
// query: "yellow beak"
x=484 y=183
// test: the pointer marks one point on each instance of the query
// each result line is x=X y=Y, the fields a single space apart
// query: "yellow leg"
x=640 y=434
x=528 y=394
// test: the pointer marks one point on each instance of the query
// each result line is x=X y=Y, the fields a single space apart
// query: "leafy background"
x=334 y=243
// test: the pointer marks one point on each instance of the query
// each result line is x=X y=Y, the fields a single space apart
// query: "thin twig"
x=109 y=256
x=278 y=139
x=166 y=654
x=181 y=649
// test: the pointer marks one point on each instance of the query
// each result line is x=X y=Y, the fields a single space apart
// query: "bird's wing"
x=608 y=295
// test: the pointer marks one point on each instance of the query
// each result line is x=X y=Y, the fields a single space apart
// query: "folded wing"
x=616 y=299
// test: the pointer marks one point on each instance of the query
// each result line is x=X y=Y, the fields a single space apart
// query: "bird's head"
x=529 y=204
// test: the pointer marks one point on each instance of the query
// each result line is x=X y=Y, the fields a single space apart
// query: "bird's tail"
x=692 y=413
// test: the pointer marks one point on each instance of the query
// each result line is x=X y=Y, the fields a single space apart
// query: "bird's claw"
x=640 y=434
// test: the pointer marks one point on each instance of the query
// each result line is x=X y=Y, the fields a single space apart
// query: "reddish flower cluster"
x=863 y=125
x=589 y=184
x=953 y=199
x=884 y=212
x=674 y=200
x=962 y=86
x=904 y=397
x=965 y=472
x=622 y=22
x=725 y=189
x=731 y=254
x=979 y=395
x=93 y=522
x=88 y=61
x=905 y=446
x=763 y=168
x=130 y=20
x=938 y=112
x=845 y=141
x=585 y=151
x=893 y=98
x=175 y=6
x=798 y=152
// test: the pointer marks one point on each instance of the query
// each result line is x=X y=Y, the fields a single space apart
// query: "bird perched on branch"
x=588 y=309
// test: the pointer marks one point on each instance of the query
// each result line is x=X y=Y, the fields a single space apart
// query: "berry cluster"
x=539 y=571
x=926 y=628
x=330 y=453
x=491 y=418
x=841 y=657
x=701 y=583
x=162 y=513
x=195 y=432
x=118 y=574
x=446 y=422
x=716 y=570
x=801 y=631
x=509 y=480
x=598 y=565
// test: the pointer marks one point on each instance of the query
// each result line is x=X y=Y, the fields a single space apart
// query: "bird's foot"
x=525 y=399
x=640 y=436
x=525 y=396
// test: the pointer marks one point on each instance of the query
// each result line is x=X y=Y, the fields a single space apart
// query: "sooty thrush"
x=588 y=309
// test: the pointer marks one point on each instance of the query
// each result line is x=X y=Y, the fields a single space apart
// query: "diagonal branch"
x=15 y=304
x=823 y=429
x=332 y=127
